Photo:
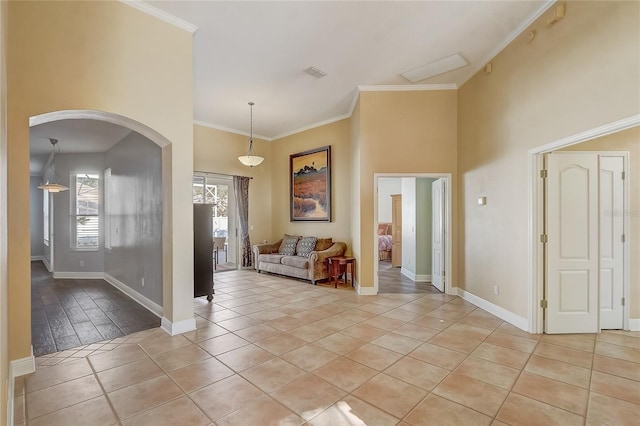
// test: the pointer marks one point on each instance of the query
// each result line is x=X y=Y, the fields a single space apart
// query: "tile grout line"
x=106 y=395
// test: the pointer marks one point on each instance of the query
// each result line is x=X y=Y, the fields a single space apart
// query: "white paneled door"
x=611 y=242
x=437 y=235
x=572 y=248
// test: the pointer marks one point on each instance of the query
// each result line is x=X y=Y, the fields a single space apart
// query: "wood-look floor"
x=67 y=313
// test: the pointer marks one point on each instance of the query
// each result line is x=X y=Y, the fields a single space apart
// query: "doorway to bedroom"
x=410 y=221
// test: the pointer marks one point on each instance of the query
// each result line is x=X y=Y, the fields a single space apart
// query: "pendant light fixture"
x=50 y=177
x=251 y=159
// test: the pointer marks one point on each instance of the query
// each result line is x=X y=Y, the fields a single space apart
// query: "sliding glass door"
x=218 y=191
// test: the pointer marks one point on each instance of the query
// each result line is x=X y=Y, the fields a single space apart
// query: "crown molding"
x=313 y=126
x=230 y=130
x=407 y=87
x=161 y=14
x=512 y=36
x=354 y=101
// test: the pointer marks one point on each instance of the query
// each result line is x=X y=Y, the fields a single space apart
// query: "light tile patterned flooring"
x=274 y=351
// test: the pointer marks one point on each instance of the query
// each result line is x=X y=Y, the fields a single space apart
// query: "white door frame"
x=232 y=234
x=536 y=282
x=448 y=288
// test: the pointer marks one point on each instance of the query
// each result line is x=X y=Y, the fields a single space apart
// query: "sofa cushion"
x=288 y=246
x=296 y=261
x=305 y=246
x=270 y=258
x=323 y=244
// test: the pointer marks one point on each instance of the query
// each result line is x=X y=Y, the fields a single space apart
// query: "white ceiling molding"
x=161 y=14
x=230 y=130
x=313 y=126
x=354 y=101
x=512 y=36
x=407 y=87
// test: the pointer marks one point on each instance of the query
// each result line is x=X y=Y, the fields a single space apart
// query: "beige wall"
x=403 y=132
x=577 y=75
x=629 y=141
x=104 y=56
x=217 y=151
x=4 y=317
x=354 y=147
x=337 y=135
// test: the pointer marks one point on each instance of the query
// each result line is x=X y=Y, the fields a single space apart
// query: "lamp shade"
x=251 y=160
x=53 y=187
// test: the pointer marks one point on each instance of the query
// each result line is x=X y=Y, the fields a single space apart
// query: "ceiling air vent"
x=315 y=72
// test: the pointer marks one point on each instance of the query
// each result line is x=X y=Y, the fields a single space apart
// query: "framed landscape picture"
x=310 y=173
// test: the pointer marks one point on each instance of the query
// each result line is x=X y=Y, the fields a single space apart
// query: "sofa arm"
x=266 y=248
x=337 y=249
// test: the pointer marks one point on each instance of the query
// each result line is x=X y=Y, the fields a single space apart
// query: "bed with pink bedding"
x=385 y=242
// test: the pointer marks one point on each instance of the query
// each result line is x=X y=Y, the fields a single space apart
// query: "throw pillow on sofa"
x=323 y=243
x=288 y=246
x=305 y=246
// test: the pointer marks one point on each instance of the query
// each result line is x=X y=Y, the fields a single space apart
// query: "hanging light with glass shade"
x=251 y=159
x=50 y=177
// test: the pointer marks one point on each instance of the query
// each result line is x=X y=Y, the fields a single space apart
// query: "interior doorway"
x=410 y=270
x=584 y=241
x=611 y=140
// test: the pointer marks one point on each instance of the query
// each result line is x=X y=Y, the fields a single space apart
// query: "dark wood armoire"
x=203 y=250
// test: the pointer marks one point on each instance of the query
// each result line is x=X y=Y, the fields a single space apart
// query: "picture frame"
x=310 y=185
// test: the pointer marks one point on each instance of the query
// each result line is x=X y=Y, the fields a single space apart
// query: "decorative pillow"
x=288 y=247
x=305 y=246
x=284 y=240
x=323 y=243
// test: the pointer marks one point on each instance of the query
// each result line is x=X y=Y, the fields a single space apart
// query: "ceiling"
x=74 y=136
x=258 y=51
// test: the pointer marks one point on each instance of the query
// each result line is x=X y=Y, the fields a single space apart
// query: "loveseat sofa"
x=298 y=257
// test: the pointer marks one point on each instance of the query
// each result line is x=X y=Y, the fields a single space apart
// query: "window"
x=107 y=209
x=45 y=216
x=85 y=211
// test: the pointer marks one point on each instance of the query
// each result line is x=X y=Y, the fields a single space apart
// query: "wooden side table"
x=341 y=263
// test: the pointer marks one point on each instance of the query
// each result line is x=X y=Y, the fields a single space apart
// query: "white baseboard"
x=364 y=291
x=634 y=324
x=143 y=300
x=17 y=368
x=419 y=278
x=37 y=258
x=10 y=399
x=510 y=317
x=46 y=264
x=174 y=328
x=79 y=275
x=22 y=366
x=407 y=273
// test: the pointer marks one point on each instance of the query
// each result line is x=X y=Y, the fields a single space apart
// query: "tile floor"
x=67 y=313
x=274 y=351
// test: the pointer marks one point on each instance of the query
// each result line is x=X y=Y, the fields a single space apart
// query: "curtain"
x=241 y=189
